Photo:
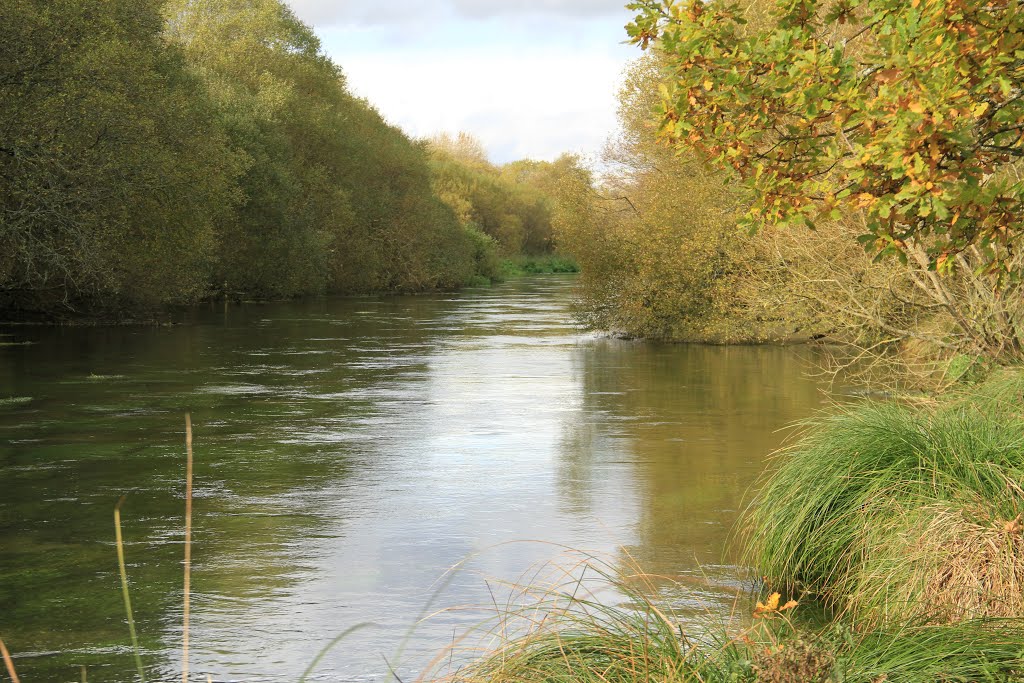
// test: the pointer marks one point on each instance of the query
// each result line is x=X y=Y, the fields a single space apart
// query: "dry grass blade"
x=188 y=546
x=327 y=648
x=124 y=588
x=8 y=662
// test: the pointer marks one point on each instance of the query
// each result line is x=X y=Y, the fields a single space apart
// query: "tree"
x=906 y=113
x=335 y=199
x=657 y=241
x=510 y=204
x=113 y=171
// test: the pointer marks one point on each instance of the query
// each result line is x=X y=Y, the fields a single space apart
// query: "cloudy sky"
x=530 y=78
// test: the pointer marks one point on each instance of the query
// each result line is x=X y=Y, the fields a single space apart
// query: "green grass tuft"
x=890 y=512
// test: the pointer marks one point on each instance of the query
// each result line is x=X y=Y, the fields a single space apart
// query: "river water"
x=348 y=453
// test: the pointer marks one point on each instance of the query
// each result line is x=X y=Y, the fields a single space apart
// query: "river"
x=348 y=453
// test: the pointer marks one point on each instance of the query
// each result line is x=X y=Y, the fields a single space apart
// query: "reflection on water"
x=348 y=453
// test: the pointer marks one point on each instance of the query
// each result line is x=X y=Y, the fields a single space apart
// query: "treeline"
x=512 y=208
x=156 y=153
x=789 y=170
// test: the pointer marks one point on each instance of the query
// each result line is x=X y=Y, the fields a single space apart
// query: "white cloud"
x=530 y=78
x=326 y=12
x=536 y=105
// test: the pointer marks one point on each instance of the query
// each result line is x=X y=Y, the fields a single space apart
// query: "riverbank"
x=549 y=264
x=903 y=522
x=509 y=268
x=573 y=640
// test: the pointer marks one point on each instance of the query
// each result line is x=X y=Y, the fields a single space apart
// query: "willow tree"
x=113 y=170
x=334 y=197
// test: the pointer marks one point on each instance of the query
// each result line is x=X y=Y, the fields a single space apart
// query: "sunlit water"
x=349 y=452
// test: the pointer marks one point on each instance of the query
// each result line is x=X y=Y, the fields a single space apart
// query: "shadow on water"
x=348 y=452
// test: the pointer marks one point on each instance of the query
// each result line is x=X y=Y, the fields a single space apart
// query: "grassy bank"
x=581 y=639
x=906 y=521
x=538 y=265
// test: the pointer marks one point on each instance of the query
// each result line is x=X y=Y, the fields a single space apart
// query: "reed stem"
x=124 y=588
x=8 y=662
x=188 y=545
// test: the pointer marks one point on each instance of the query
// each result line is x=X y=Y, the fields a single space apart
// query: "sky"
x=529 y=78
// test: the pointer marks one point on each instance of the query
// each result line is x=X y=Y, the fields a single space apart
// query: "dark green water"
x=348 y=453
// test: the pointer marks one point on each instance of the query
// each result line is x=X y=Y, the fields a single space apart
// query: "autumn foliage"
x=907 y=113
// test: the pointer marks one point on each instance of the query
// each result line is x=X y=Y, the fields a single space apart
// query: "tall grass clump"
x=570 y=637
x=890 y=512
x=590 y=627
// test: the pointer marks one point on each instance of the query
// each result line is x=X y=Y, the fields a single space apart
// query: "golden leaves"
x=866 y=200
x=771 y=607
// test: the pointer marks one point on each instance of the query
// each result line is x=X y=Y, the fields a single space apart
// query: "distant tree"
x=512 y=204
x=462 y=147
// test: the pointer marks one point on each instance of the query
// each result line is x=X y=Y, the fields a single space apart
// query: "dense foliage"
x=907 y=112
x=657 y=240
x=333 y=197
x=114 y=173
x=157 y=152
x=513 y=204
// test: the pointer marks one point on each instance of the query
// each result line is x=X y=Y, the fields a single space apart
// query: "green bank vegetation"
x=889 y=512
x=575 y=638
x=158 y=152
x=511 y=211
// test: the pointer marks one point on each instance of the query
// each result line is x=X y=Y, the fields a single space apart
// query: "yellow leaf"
x=708 y=85
x=916 y=107
x=771 y=606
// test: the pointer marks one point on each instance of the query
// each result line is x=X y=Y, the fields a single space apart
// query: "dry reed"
x=124 y=588
x=8 y=662
x=188 y=547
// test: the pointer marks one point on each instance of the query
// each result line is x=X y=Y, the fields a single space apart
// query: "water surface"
x=349 y=452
